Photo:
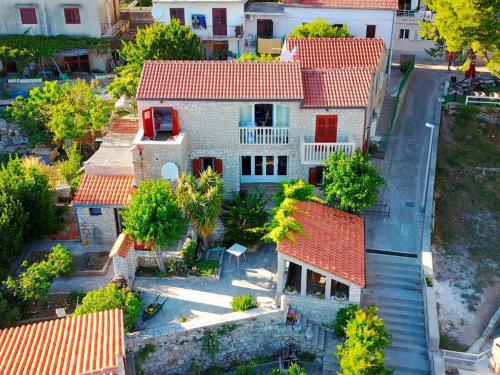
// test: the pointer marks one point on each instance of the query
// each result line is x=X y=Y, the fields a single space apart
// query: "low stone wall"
x=242 y=336
x=318 y=310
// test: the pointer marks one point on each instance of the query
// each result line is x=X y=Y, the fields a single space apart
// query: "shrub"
x=61 y=260
x=244 y=370
x=243 y=303
x=33 y=283
x=344 y=316
x=110 y=297
x=294 y=189
x=319 y=28
x=176 y=267
x=188 y=251
x=206 y=268
x=71 y=167
x=283 y=224
x=10 y=311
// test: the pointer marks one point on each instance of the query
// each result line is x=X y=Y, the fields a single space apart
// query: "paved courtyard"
x=203 y=300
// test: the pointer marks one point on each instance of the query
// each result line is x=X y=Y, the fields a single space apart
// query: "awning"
x=73 y=52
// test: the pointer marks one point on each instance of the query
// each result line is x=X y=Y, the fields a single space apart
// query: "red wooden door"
x=326 y=128
x=175 y=122
x=219 y=20
x=147 y=123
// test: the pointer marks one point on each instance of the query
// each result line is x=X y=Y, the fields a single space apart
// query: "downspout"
x=389 y=62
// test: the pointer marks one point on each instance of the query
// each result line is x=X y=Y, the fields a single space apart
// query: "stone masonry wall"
x=252 y=334
x=105 y=225
x=318 y=310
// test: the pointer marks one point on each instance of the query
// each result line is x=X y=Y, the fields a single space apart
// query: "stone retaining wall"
x=318 y=310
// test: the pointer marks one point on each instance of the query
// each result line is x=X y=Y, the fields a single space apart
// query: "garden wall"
x=317 y=310
x=245 y=335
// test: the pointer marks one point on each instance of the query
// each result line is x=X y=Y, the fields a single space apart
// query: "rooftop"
x=104 y=190
x=122 y=246
x=332 y=240
x=346 y=4
x=221 y=80
x=111 y=156
x=125 y=125
x=86 y=344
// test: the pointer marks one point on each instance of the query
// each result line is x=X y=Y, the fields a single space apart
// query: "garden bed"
x=85 y=264
x=46 y=310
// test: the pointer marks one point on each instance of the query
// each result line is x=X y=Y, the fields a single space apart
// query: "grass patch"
x=448 y=342
x=243 y=303
x=206 y=268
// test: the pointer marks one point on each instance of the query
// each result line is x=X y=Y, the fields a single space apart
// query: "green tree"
x=110 y=297
x=257 y=57
x=343 y=317
x=33 y=283
x=351 y=183
x=153 y=217
x=10 y=310
x=295 y=189
x=363 y=352
x=467 y=24
x=283 y=225
x=319 y=28
x=156 y=42
x=201 y=200
x=61 y=261
x=71 y=167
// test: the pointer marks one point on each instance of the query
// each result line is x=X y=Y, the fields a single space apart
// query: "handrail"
x=473 y=99
x=264 y=135
x=464 y=356
x=315 y=153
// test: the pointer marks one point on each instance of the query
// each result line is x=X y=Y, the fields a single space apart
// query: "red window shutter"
x=196 y=167
x=147 y=123
x=28 y=16
x=175 y=122
x=326 y=128
x=313 y=176
x=72 y=16
x=218 y=166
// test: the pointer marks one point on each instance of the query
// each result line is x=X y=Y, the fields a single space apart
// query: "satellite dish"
x=170 y=171
x=156 y=13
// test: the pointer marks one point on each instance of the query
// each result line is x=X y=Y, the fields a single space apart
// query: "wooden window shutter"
x=218 y=166
x=196 y=166
x=28 y=16
x=147 y=123
x=313 y=176
x=175 y=122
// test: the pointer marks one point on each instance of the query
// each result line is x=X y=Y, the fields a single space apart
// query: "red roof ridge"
x=353 y=39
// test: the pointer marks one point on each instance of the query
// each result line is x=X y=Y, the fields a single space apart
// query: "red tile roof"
x=348 y=4
x=337 y=53
x=220 y=80
x=336 y=88
x=86 y=344
x=122 y=246
x=332 y=240
x=104 y=190
x=123 y=125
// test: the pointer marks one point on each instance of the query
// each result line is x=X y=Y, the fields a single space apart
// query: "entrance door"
x=264 y=169
x=326 y=129
x=264 y=28
x=219 y=19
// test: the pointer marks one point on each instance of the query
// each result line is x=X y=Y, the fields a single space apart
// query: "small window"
x=258 y=165
x=269 y=165
x=28 y=16
x=95 y=211
x=72 y=16
x=338 y=26
x=246 y=165
x=371 y=30
x=207 y=162
x=177 y=13
x=404 y=33
x=282 y=165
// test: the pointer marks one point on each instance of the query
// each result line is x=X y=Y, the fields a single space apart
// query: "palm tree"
x=201 y=200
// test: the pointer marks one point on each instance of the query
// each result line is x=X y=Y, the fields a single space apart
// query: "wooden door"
x=326 y=129
x=219 y=20
x=371 y=31
x=147 y=123
x=264 y=28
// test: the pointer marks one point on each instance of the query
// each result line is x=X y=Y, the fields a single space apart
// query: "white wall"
x=414 y=45
x=50 y=17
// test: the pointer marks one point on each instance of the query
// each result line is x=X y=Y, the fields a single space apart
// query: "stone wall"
x=318 y=310
x=248 y=335
x=97 y=229
x=126 y=266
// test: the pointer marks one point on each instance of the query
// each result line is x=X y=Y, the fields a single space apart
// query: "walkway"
x=394 y=282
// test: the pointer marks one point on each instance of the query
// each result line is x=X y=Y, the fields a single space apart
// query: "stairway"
x=394 y=286
x=384 y=120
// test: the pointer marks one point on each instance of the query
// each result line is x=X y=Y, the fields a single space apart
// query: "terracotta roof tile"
x=336 y=88
x=337 y=53
x=75 y=345
x=220 y=80
x=347 y=4
x=332 y=240
x=122 y=246
x=123 y=125
x=104 y=190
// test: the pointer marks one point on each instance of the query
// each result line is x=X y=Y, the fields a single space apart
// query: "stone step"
x=402 y=313
x=395 y=284
x=406 y=269
x=321 y=339
x=394 y=294
x=402 y=360
x=373 y=276
x=402 y=323
x=384 y=302
x=372 y=258
x=415 y=336
x=403 y=345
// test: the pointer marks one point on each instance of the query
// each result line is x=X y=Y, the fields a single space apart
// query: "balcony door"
x=264 y=28
x=264 y=168
x=326 y=129
x=219 y=20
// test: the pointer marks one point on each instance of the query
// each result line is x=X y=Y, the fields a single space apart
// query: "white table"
x=237 y=250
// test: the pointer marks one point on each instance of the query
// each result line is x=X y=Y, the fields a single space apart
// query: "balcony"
x=413 y=15
x=263 y=135
x=314 y=153
x=110 y=30
x=221 y=32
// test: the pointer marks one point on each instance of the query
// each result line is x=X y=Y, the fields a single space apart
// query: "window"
x=246 y=165
x=404 y=33
x=282 y=165
x=371 y=31
x=269 y=165
x=95 y=211
x=258 y=165
x=72 y=16
x=28 y=16
x=338 y=26
x=207 y=162
x=264 y=114
x=177 y=13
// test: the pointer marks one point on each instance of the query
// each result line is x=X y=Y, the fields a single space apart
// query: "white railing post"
x=263 y=135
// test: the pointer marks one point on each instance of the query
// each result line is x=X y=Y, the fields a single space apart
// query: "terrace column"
x=328 y=287
x=281 y=274
x=303 y=280
x=354 y=294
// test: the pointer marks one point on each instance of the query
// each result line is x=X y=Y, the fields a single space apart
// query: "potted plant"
x=290 y=290
x=340 y=295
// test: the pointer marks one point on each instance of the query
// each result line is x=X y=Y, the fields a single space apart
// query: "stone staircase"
x=394 y=286
x=384 y=120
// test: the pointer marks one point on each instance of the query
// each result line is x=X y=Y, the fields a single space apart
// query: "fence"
x=482 y=100
x=396 y=108
x=463 y=360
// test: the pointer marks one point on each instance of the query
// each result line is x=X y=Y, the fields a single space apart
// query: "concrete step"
x=373 y=276
x=394 y=294
x=321 y=339
x=411 y=362
x=395 y=284
x=403 y=336
x=402 y=313
x=382 y=302
x=399 y=269
x=402 y=345
x=412 y=326
x=391 y=260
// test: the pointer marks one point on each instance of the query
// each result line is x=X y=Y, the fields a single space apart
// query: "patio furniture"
x=237 y=250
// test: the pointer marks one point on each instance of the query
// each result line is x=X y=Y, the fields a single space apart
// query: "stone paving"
x=204 y=299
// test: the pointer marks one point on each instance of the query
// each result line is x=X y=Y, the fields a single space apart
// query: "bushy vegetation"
x=110 y=297
x=243 y=302
x=294 y=369
x=343 y=317
x=206 y=268
x=71 y=167
x=61 y=261
x=257 y=57
x=10 y=309
x=244 y=219
x=295 y=189
x=319 y=28
x=283 y=225
x=188 y=252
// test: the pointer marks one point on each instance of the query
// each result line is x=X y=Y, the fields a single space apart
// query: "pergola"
x=328 y=258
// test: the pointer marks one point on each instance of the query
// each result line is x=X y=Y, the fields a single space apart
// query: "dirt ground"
x=466 y=244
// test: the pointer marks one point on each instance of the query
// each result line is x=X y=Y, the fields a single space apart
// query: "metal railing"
x=260 y=135
x=315 y=153
x=482 y=100
x=109 y=30
x=464 y=360
x=409 y=15
x=219 y=32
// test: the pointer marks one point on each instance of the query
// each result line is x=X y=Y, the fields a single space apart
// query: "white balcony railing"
x=315 y=153
x=219 y=32
x=414 y=15
x=261 y=135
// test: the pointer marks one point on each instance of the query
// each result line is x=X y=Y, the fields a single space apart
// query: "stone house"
x=260 y=122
